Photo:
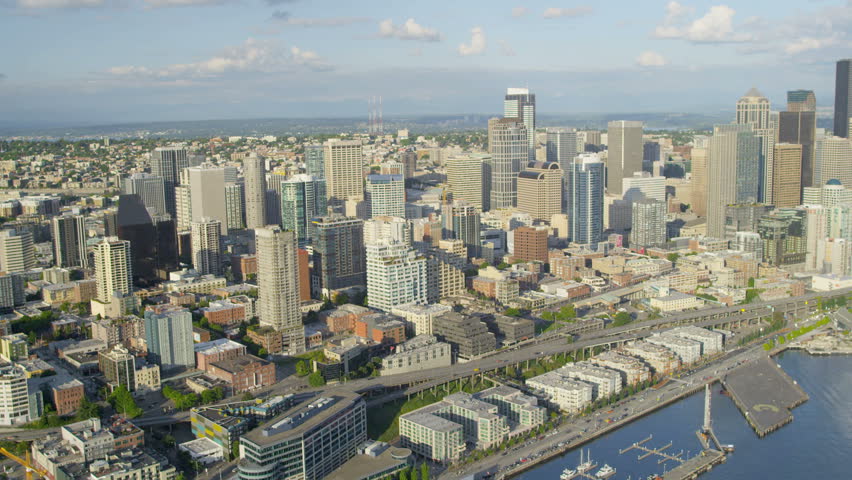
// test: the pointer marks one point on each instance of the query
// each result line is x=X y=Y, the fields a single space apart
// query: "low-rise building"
x=224 y=312
x=217 y=350
x=420 y=353
x=420 y=317
x=561 y=391
x=468 y=335
x=381 y=328
x=676 y=302
x=244 y=373
x=689 y=351
x=14 y=347
x=267 y=337
x=518 y=407
x=511 y=329
x=711 y=341
x=604 y=381
x=342 y=318
x=633 y=371
x=67 y=396
x=661 y=360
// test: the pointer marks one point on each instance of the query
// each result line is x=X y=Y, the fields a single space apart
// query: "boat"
x=728 y=448
x=605 y=472
x=584 y=467
x=568 y=474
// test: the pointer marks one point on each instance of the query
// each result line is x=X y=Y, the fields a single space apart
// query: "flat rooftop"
x=276 y=430
x=367 y=466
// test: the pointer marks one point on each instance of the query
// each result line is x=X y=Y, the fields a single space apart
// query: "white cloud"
x=554 y=12
x=716 y=26
x=284 y=18
x=410 y=30
x=44 y=4
x=805 y=44
x=252 y=56
x=506 y=49
x=650 y=59
x=477 y=43
x=182 y=3
x=519 y=11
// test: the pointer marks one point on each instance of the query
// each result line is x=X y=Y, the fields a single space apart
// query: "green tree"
x=316 y=379
x=341 y=298
x=622 y=318
x=169 y=441
x=672 y=257
x=235 y=450
x=87 y=410
x=122 y=401
x=247 y=396
x=424 y=471
x=512 y=312
x=302 y=369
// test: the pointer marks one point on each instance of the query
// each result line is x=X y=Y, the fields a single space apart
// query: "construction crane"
x=26 y=463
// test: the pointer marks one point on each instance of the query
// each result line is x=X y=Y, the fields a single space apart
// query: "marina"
x=586 y=468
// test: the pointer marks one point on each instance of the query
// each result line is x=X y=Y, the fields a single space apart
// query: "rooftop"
x=297 y=420
x=218 y=346
x=236 y=365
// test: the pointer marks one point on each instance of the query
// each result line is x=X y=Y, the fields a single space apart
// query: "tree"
x=169 y=441
x=235 y=450
x=247 y=396
x=341 y=299
x=512 y=312
x=262 y=352
x=750 y=282
x=672 y=257
x=122 y=401
x=622 y=318
x=302 y=369
x=87 y=410
x=316 y=379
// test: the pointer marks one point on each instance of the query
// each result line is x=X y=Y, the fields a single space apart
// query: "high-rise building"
x=651 y=153
x=467 y=227
x=699 y=181
x=167 y=163
x=465 y=179
x=338 y=256
x=754 y=109
x=183 y=205
x=800 y=127
x=17 y=254
x=649 y=223
x=784 y=236
x=540 y=190
x=520 y=104
x=388 y=228
x=207 y=190
x=396 y=275
x=801 y=101
x=585 y=199
x=254 y=171
x=842 y=98
x=409 y=162
x=509 y=150
x=303 y=198
x=207 y=246
x=386 y=195
x=12 y=292
x=561 y=147
x=69 y=241
x=150 y=188
x=112 y=267
x=18 y=405
x=344 y=174
x=732 y=172
x=153 y=245
x=168 y=333
x=118 y=366
x=278 y=285
x=828 y=195
x=273 y=197
x=530 y=244
x=833 y=160
x=624 y=153
x=786 y=191
x=235 y=206
x=743 y=217
x=315 y=161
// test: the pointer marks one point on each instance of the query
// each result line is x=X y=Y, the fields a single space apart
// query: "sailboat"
x=584 y=467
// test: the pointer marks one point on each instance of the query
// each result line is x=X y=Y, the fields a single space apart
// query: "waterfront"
x=816 y=443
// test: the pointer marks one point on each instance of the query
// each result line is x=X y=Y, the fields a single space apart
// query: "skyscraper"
x=153 y=245
x=344 y=174
x=732 y=172
x=183 y=204
x=540 y=190
x=386 y=195
x=150 y=188
x=396 y=275
x=278 y=285
x=338 y=253
x=801 y=101
x=699 y=180
x=649 y=223
x=167 y=163
x=833 y=160
x=800 y=127
x=207 y=246
x=235 y=206
x=465 y=179
x=509 y=150
x=754 y=109
x=112 y=267
x=467 y=227
x=625 y=151
x=17 y=254
x=562 y=147
x=303 y=197
x=207 y=191
x=168 y=334
x=530 y=244
x=842 y=99
x=520 y=104
x=585 y=199
x=786 y=188
x=254 y=170
x=273 y=197
x=69 y=241
x=409 y=162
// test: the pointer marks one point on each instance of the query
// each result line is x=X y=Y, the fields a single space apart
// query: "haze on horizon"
x=116 y=61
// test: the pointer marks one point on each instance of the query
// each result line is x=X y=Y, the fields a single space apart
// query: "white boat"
x=605 y=472
x=584 y=467
x=568 y=474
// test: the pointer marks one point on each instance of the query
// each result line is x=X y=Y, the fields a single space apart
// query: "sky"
x=121 y=61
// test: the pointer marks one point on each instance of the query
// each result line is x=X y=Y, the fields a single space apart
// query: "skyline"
x=169 y=60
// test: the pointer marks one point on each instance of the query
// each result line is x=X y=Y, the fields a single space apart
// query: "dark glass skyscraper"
x=842 y=85
x=153 y=246
x=167 y=162
x=339 y=255
x=800 y=128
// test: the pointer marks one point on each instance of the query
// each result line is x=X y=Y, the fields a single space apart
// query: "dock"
x=695 y=466
x=764 y=394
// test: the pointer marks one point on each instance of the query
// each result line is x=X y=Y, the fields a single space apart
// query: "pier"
x=764 y=394
x=696 y=465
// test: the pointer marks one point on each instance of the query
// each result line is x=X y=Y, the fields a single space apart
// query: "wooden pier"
x=696 y=465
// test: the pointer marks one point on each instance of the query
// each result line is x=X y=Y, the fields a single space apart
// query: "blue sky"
x=82 y=61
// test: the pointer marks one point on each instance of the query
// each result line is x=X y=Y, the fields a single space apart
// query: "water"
x=817 y=444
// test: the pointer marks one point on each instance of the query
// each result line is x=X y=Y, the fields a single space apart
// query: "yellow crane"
x=26 y=463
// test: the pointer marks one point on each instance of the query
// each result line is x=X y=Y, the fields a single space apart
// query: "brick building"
x=216 y=351
x=68 y=396
x=530 y=244
x=244 y=373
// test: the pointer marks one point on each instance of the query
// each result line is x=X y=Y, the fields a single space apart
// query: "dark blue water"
x=817 y=444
